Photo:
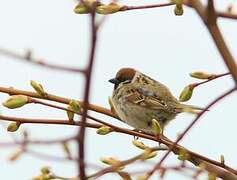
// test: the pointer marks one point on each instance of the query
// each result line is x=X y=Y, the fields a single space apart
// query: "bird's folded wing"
x=149 y=102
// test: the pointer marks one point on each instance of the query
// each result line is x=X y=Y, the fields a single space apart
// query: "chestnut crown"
x=123 y=75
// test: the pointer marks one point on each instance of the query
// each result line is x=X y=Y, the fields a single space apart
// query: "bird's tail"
x=190 y=108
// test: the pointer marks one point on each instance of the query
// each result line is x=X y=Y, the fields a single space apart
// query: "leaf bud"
x=186 y=94
x=16 y=101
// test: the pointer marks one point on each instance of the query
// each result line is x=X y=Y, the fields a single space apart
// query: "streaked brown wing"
x=150 y=102
x=135 y=97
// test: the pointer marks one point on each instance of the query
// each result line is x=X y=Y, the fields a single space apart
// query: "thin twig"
x=127 y=8
x=217 y=37
x=216 y=76
x=55 y=98
x=88 y=74
x=195 y=158
x=29 y=59
x=49 y=157
x=227 y=15
x=188 y=128
x=37 y=142
x=220 y=14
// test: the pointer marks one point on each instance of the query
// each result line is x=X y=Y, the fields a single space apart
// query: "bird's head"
x=124 y=75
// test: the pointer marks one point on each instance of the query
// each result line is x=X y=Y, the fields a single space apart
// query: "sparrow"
x=137 y=99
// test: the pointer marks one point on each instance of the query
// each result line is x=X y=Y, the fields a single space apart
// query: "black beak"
x=114 y=81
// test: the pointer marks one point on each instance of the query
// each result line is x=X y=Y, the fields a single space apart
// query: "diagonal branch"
x=217 y=37
x=28 y=58
x=158 y=165
x=55 y=98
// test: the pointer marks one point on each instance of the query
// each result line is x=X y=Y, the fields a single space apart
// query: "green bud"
x=38 y=88
x=70 y=114
x=201 y=75
x=183 y=154
x=139 y=144
x=111 y=161
x=45 y=170
x=156 y=128
x=108 y=9
x=75 y=106
x=86 y=6
x=15 y=101
x=14 y=126
x=178 y=10
x=81 y=9
x=186 y=94
x=148 y=154
x=104 y=130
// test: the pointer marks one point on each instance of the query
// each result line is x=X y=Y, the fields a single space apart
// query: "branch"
x=158 y=165
x=29 y=59
x=227 y=15
x=127 y=8
x=217 y=37
x=49 y=157
x=88 y=73
x=196 y=159
x=114 y=168
x=36 y=142
x=215 y=76
x=51 y=97
x=47 y=121
x=220 y=14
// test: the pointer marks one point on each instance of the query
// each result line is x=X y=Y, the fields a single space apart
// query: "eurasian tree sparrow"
x=137 y=99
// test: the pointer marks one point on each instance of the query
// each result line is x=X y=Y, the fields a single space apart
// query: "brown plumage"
x=137 y=99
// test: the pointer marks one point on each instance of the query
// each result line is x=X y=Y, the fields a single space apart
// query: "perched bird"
x=137 y=99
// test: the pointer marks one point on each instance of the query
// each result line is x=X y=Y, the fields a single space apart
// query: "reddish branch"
x=35 y=142
x=208 y=16
x=88 y=73
x=47 y=121
x=216 y=76
x=37 y=61
x=221 y=14
x=227 y=15
x=181 y=136
x=196 y=158
x=51 y=97
x=126 y=8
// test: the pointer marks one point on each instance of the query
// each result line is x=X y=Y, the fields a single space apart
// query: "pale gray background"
x=154 y=41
